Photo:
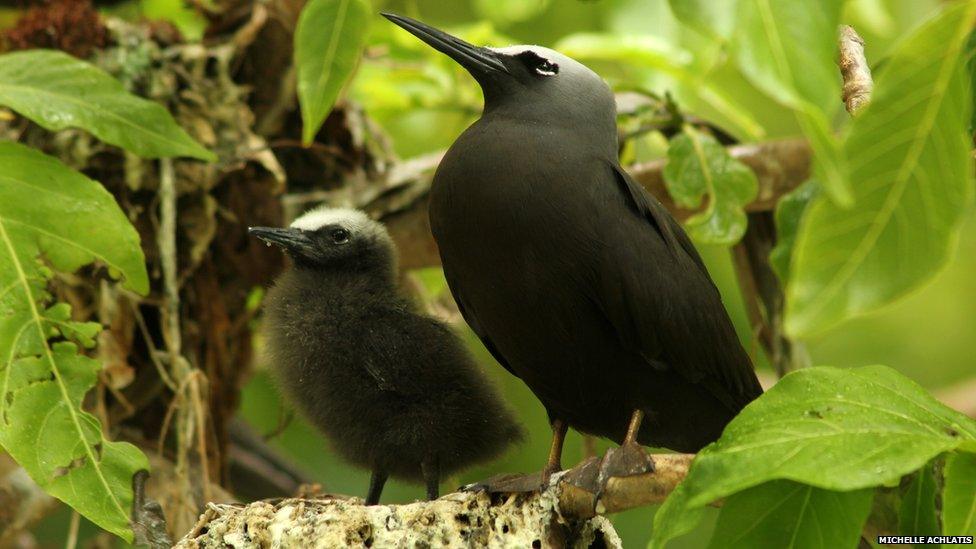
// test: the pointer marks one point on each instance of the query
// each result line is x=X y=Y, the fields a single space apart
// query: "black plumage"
x=395 y=391
x=575 y=278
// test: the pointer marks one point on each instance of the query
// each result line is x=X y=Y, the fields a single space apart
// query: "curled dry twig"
x=854 y=68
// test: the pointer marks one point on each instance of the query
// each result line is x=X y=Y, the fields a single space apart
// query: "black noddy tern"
x=576 y=279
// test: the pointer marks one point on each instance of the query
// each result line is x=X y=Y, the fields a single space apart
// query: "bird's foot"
x=506 y=484
x=585 y=475
x=587 y=486
x=593 y=474
x=628 y=459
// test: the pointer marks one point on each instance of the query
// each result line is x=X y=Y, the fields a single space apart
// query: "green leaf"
x=782 y=513
x=48 y=210
x=699 y=166
x=506 y=12
x=328 y=42
x=835 y=429
x=58 y=91
x=645 y=50
x=959 y=495
x=674 y=518
x=714 y=19
x=787 y=48
x=789 y=212
x=909 y=154
x=917 y=516
x=970 y=56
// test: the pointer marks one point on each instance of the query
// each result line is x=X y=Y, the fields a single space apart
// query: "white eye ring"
x=547 y=68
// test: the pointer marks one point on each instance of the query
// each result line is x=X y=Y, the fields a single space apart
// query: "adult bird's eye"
x=339 y=236
x=546 y=68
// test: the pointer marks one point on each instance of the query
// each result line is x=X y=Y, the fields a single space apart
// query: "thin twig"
x=178 y=398
x=854 y=69
x=196 y=389
x=72 y=540
x=191 y=421
x=166 y=240
x=151 y=345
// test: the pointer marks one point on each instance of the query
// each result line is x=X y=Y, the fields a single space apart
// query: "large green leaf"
x=969 y=55
x=507 y=12
x=699 y=166
x=835 y=429
x=714 y=19
x=58 y=91
x=787 y=48
x=909 y=156
x=47 y=210
x=782 y=513
x=959 y=495
x=675 y=517
x=917 y=515
x=328 y=42
x=643 y=51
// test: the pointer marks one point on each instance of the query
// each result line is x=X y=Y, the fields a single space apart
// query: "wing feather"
x=658 y=294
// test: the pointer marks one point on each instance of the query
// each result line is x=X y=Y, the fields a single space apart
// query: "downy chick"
x=395 y=391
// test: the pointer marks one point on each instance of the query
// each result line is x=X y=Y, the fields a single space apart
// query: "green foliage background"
x=424 y=101
x=927 y=336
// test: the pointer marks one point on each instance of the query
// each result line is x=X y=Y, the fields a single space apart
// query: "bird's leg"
x=630 y=458
x=554 y=463
x=376 y=482
x=431 y=471
x=635 y=422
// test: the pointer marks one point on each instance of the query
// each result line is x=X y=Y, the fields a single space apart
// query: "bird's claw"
x=628 y=459
x=593 y=474
x=585 y=475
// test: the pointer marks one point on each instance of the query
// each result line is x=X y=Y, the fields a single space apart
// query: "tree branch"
x=623 y=493
x=780 y=166
x=461 y=519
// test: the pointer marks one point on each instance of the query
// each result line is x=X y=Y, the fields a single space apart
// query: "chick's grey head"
x=333 y=239
x=531 y=83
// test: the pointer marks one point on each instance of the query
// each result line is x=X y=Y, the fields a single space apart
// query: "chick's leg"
x=376 y=482
x=431 y=471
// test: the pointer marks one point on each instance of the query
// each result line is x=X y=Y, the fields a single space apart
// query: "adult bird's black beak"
x=291 y=240
x=477 y=60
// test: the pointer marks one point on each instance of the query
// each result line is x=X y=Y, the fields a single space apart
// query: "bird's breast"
x=518 y=240
x=513 y=193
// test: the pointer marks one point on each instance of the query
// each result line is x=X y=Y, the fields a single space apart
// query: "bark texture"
x=463 y=519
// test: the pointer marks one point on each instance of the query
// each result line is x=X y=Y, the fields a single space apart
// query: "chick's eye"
x=339 y=236
x=546 y=68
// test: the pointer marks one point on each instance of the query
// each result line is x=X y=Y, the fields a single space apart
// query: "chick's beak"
x=290 y=240
x=478 y=61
